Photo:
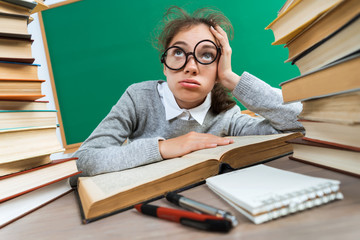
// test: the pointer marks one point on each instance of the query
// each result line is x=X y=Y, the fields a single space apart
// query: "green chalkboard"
x=98 y=48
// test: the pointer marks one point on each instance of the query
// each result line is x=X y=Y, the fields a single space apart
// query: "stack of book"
x=28 y=177
x=323 y=40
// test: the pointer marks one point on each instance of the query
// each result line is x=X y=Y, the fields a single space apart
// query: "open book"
x=105 y=194
x=263 y=193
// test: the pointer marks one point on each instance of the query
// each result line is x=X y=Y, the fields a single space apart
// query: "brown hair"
x=176 y=19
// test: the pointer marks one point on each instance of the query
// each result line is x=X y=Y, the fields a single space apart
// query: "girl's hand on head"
x=226 y=76
x=179 y=146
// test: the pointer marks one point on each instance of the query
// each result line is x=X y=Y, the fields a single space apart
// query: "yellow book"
x=297 y=17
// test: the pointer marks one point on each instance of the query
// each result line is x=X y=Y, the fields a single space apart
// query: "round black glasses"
x=205 y=52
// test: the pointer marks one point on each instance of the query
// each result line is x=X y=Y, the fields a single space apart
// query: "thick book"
x=297 y=17
x=16 y=50
x=24 y=164
x=264 y=193
x=324 y=81
x=17 y=184
x=343 y=135
x=341 y=43
x=105 y=194
x=23 y=143
x=23 y=205
x=13 y=25
x=322 y=28
x=23 y=105
x=332 y=157
x=20 y=89
x=18 y=71
x=6 y=7
x=342 y=108
x=30 y=4
x=27 y=118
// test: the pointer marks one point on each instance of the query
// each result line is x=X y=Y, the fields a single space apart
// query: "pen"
x=189 y=204
x=191 y=219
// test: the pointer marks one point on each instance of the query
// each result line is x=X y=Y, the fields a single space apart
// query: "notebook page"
x=261 y=188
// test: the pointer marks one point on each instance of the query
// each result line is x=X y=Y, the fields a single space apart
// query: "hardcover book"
x=23 y=205
x=322 y=28
x=20 y=89
x=23 y=105
x=23 y=143
x=324 y=81
x=16 y=50
x=341 y=43
x=342 y=108
x=13 y=25
x=345 y=160
x=27 y=118
x=344 y=135
x=17 y=71
x=297 y=17
x=23 y=164
x=17 y=184
x=105 y=194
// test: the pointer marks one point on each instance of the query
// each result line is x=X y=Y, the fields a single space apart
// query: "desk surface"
x=336 y=220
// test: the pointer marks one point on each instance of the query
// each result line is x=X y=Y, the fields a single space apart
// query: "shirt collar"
x=172 y=109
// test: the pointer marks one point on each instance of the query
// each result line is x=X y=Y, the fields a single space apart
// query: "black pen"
x=191 y=219
x=200 y=207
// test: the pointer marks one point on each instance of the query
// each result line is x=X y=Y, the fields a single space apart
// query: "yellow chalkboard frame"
x=252 y=50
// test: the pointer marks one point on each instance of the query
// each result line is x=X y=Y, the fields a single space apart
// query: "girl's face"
x=191 y=84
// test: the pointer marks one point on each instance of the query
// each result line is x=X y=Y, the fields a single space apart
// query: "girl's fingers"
x=221 y=31
x=217 y=35
x=221 y=36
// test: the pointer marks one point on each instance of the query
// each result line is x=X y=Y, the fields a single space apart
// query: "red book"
x=332 y=157
x=17 y=184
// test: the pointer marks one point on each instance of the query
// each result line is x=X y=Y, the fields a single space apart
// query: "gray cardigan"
x=139 y=117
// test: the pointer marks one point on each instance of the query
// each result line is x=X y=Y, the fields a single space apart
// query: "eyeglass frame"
x=187 y=54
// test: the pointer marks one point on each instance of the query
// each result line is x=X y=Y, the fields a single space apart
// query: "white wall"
x=38 y=53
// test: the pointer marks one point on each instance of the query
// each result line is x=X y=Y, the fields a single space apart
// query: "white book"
x=18 y=207
x=263 y=193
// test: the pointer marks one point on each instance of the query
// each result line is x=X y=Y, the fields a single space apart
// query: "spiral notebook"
x=263 y=193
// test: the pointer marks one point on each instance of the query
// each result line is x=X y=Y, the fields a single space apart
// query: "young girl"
x=191 y=110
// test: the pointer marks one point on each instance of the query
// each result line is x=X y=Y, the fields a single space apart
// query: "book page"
x=240 y=141
x=256 y=188
x=108 y=184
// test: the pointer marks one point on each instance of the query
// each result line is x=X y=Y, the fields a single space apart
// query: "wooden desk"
x=336 y=220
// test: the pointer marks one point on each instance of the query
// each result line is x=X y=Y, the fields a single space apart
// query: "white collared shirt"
x=172 y=109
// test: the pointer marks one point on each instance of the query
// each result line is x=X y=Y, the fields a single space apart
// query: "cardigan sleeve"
x=104 y=150
x=266 y=101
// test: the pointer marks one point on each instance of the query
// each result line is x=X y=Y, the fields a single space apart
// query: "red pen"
x=196 y=220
